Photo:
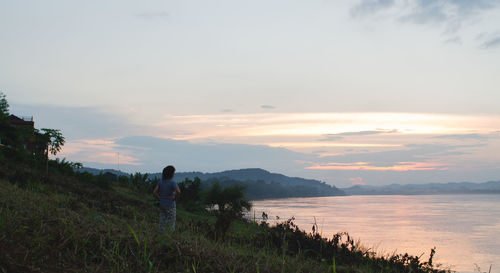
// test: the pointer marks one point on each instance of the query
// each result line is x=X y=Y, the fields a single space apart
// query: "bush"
x=191 y=197
x=231 y=204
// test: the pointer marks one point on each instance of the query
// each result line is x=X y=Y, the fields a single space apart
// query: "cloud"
x=491 y=43
x=357 y=180
x=150 y=154
x=463 y=136
x=153 y=153
x=213 y=142
x=452 y=15
x=413 y=157
x=371 y=6
x=340 y=136
x=331 y=137
x=79 y=122
x=153 y=15
x=426 y=11
x=267 y=107
x=314 y=125
x=366 y=166
x=454 y=40
x=367 y=133
x=98 y=151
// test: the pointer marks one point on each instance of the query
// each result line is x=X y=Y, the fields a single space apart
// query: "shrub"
x=231 y=204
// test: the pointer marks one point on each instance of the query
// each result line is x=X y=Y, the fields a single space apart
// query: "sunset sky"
x=349 y=92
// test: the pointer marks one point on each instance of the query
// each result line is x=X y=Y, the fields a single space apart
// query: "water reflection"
x=464 y=228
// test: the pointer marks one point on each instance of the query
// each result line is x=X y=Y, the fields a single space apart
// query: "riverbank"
x=65 y=225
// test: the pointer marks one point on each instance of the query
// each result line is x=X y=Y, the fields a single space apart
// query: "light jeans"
x=167 y=214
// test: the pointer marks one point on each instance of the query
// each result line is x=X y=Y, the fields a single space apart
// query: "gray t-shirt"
x=167 y=189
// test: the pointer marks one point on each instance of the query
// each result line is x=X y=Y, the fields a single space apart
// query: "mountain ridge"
x=251 y=176
x=260 y=183
x=489 y=187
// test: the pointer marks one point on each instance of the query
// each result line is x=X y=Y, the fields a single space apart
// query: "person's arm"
x=176 y=193
x=155 y=193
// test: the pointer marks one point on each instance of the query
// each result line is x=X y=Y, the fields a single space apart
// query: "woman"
x=166 y=192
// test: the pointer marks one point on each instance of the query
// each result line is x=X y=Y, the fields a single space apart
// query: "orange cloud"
x=357 y=181
x=318 y=124
x=323 y=144
x=112 y=158
x=399 y=167
x=103 y=151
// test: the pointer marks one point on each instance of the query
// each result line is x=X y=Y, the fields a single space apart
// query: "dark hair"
x=168 y=172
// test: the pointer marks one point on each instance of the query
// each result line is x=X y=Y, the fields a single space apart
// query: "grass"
x=66 y=225
x=46 y=231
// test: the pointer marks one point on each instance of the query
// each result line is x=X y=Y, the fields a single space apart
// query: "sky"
x=350 y=92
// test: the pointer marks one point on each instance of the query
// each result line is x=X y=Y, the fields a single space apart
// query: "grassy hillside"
x=65 y=224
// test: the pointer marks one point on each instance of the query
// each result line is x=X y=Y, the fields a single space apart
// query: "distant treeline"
x=491 y=187
x=261 y=190
x=261 y=184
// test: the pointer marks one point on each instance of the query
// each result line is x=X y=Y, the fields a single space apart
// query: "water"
x=465 y=229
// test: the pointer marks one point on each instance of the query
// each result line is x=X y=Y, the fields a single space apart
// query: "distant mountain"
x=253 y=174
x=491 y=187
x=263 y=184
x=98 y=171
x=260 y=183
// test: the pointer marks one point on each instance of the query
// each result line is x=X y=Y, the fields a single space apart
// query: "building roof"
x=21 y=121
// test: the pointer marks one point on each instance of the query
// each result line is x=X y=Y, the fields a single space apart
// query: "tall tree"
x=54 y=141
x=4 y=105
x=4 y=109
x=4 y=117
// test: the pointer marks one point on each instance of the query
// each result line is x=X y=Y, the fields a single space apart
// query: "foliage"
x=25 y=144
x=260 y=189
x=63 y=166
x=4 y=108
x=54 y=140
x=231 y=205
x=138 y=180
x=191 y=195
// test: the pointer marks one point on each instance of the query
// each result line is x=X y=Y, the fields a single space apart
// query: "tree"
x=4 y=117
x=53 y=140
x=140 y=182
x=77 y=166
x=231 y=204
x=190 y=198
x=4 y=105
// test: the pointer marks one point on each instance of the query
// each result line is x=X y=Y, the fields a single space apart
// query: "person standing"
x=166 y=192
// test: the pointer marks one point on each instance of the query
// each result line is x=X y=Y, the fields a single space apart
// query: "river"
x=465 y=229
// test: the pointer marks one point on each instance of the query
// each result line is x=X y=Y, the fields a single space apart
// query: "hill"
x=263 y=184
x=491 y=187
x=259 y=183
x=95 y=171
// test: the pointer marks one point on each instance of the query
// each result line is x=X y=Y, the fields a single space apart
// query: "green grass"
x=46 y=231
x=65 y=225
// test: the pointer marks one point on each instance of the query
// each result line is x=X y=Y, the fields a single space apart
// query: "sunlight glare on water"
x=465 y=229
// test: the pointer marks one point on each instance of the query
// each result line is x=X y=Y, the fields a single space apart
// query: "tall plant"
x=4 y=105
x=231 y=204
x=54 y=140
x=4 y=116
